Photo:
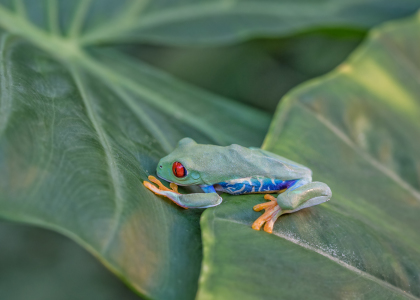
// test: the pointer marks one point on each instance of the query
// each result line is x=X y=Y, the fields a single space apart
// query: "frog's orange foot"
x=160 y=189
x=270 y=216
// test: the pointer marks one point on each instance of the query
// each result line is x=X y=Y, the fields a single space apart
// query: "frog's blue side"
x=253 y=185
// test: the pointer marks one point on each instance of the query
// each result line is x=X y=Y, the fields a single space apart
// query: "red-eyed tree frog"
x=237 y=170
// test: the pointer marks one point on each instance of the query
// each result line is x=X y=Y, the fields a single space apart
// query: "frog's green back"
x=214 y=164
x=278 y=157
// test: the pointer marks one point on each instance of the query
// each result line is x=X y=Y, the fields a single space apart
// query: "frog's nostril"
x=160 y=167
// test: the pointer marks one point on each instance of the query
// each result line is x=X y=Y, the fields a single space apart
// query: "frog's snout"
x=160 y=172
x=159 y=169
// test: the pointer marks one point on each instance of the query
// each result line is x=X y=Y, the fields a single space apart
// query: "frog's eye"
x=179 y=170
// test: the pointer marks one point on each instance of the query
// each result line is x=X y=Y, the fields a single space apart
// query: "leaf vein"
x=110 y=160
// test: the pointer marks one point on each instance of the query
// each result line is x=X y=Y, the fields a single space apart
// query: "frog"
x=237 y=170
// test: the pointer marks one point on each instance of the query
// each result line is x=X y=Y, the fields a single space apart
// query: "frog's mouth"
x=161 y=177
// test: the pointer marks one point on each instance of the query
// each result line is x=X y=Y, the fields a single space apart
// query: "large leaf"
x=81 y=131
x=358 y=130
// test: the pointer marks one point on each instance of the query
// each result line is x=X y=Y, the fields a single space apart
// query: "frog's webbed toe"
x=270 y=216
x=160 y=189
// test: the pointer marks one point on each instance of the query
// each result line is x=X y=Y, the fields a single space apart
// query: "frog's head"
x=178 y=167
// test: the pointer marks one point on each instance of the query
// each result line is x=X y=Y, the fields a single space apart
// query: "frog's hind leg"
x=301 y=195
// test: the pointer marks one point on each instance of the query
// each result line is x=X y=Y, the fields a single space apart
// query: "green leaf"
x=357 y=129
x=81 y=129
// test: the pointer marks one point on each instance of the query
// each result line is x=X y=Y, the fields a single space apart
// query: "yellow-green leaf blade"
x=356 y=129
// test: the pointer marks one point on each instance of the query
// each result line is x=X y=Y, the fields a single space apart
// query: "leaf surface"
x=357 y=129
x=80 y=130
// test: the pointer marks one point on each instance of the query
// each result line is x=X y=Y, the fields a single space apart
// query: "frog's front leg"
x=297 y=197
x=195 y=200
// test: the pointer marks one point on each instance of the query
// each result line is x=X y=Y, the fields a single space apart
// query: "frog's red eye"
x=178 y=169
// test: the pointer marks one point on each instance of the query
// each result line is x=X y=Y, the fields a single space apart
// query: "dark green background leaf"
x=257 y=72
x=357 y=129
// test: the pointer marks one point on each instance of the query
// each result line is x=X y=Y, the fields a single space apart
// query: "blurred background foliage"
x=39 y=264
x=257 y=72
